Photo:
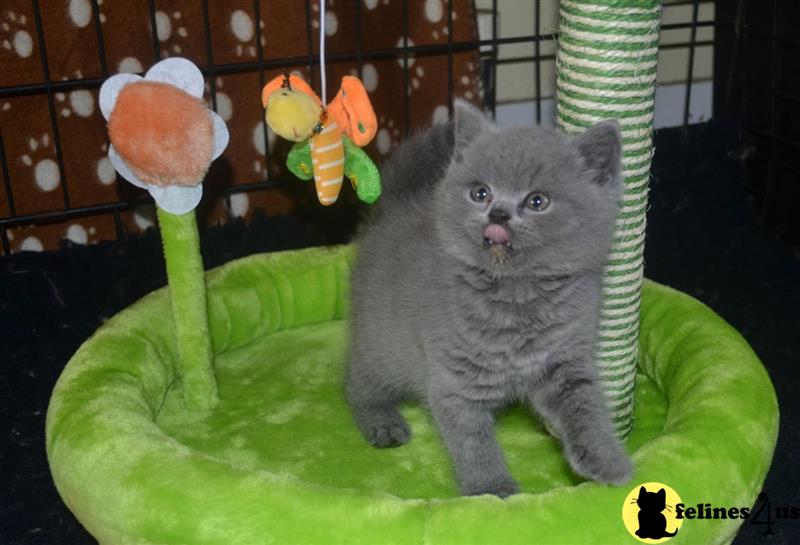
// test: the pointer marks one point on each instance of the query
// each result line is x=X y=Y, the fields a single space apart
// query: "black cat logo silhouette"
x=649 y=512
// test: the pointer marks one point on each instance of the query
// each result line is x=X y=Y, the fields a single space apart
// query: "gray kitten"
x=479 y=285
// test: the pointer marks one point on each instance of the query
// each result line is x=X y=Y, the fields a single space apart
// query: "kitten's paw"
x=617 y=472
x=388 y=435
x=501 y=488
x=610 y=465
x=384 y=427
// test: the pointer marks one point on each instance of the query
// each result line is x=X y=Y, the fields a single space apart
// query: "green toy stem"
x=187 y=290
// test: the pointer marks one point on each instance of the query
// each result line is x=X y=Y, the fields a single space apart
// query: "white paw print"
x=46 y=175
x=387 y=136
x=435 y=13
x=331 y=19
x=77 y=233
x=242 y=27
x=144 y=216
x=106 y=174
x=258 y=143
x=170 y=32
x=224 y=102
x=80 y=12
x=130 y=65
x=468 y=84
x=440 y=114
x=15 y=33
x=28 y=244
x=239 y=205
x=79 y=102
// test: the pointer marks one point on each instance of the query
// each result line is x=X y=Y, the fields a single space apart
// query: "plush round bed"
x=278 y=460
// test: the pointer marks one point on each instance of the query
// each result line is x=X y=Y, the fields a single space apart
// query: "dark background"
x=722 y=226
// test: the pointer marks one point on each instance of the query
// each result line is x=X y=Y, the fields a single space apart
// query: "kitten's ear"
x=601 y=149
x=642 y=490
x=662 y=494
x=468 y=123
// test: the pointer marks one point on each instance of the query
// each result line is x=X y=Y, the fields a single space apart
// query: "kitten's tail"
x=668 y=534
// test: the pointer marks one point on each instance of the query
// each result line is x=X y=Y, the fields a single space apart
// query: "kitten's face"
x=522 y=201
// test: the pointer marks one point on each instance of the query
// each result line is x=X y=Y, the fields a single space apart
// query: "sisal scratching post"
x=607 y=55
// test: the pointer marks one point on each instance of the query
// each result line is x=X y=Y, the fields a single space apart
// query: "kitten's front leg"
x=468 y=431
x=571 y=402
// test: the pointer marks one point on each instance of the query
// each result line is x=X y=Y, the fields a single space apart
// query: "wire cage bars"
x=490 y=47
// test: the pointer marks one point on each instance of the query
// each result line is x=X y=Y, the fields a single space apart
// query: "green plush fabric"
x=187 y=289
x=279 y=461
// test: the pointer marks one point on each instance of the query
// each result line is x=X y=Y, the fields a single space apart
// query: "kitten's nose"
x=498 y=215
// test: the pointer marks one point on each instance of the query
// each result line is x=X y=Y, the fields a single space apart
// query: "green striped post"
x=606 y=69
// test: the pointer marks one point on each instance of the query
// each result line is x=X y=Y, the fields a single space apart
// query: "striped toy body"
x=327 y=157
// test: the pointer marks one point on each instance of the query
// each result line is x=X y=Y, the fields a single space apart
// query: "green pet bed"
x=278 y=460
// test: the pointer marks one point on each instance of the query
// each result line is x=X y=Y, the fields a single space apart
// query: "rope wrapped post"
x=607 y=56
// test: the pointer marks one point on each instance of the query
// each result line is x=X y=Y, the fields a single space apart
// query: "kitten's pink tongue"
x=496 y=233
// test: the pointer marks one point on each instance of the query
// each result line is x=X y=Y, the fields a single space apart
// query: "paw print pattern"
x=372 y=4
x=243 y=29
x=79 y=102
x=224 y=102
x=37 y=238
x=80 y=12
x=16 y=33
x=36 y=179
x=78 y=113
x=45 y=173
x=388 y=135
x=172 y=34
x=331 y=19
x=106 y=174
x=436 y=17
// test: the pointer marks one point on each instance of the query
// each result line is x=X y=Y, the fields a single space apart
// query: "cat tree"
x=607 y=57
x=278 y=459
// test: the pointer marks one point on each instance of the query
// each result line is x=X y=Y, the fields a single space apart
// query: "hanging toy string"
x=328 y=137
x=322 y=50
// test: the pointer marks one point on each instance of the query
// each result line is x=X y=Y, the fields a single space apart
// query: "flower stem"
x=189 y=309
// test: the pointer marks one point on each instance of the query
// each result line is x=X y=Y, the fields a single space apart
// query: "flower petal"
x=221 y=135
x=124 y=170
x=111 y=88
x=180 y=72
x=177 y=199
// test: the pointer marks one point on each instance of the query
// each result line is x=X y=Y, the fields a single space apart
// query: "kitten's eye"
x=537 y=202
x=481 y=193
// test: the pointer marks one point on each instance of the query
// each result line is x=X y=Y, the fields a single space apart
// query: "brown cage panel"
x=413 y=55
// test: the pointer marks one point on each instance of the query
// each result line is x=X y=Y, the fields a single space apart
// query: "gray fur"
x=440 y=318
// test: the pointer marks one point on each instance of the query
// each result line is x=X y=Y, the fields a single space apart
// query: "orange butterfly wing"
x=353 y=112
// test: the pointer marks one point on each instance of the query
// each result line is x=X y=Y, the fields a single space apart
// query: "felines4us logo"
x=654 y=512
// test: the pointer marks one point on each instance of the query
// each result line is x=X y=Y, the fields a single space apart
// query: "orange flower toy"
x=163 y=139
x=329 y=138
